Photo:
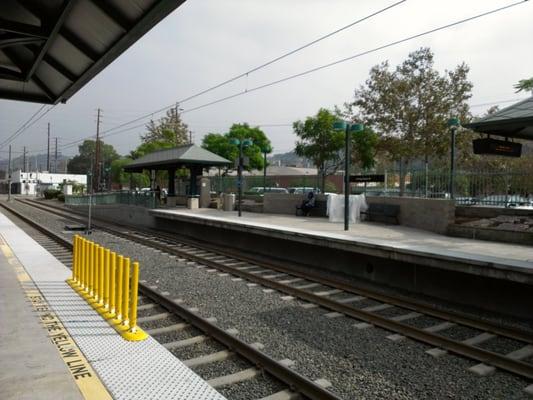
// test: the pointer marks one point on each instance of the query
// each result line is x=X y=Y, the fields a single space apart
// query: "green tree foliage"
x=221 y=144
x=170 y=129
x=319 y=142
x=81 y=164
x=150 y=147
x=524 y=85
x=123 y=178
x=409 y=106
x=364 y=147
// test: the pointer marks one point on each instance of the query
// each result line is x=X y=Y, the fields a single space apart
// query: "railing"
x=144 y=199
x=500 y=189
x=110 y=285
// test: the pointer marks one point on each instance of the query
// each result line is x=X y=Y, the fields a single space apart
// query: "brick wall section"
x=429 y=214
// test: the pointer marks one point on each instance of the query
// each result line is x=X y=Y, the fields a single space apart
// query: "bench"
x=387 y=213
x=319 y=210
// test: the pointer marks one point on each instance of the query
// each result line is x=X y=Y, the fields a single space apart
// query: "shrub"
x=61 y=197
x=51 y=194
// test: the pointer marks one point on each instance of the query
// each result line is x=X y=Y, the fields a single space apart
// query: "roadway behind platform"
x=491 y=276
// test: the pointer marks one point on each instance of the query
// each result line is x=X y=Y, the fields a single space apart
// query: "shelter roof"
x=49 y=49
x=515 y=121
x=176 y=157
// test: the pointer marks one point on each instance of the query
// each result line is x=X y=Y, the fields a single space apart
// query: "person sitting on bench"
x=307 y=204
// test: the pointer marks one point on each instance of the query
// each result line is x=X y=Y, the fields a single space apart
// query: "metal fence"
x=507 y=189
x=144 y=199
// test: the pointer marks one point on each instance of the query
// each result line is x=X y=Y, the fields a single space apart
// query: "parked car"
x=502 y=200
x=261 y=190
x=303 y=190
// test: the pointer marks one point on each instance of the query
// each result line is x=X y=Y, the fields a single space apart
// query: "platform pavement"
x=406 y=240
x=92 y=353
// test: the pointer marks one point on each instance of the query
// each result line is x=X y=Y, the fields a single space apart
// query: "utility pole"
x=55 y=158
x=48 y=151
x=24 y=160
x=96 y=176
x=9 y=176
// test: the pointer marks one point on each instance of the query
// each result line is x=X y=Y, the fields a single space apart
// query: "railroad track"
x=393 y=314
x=165 y=318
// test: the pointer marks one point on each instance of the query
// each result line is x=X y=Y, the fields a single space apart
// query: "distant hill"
x=34 y=162
x=290 y=159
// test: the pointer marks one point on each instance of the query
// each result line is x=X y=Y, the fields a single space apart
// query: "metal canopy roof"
x=515 y=121
x=176 y=157
x=49 y=49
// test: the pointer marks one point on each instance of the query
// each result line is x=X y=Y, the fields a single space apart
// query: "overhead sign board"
x=367 y=178
x=497 y=147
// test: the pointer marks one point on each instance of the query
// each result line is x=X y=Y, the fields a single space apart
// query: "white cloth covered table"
x=335 y=207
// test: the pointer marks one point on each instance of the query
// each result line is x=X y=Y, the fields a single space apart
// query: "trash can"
x=193 y=202
x=229 y=202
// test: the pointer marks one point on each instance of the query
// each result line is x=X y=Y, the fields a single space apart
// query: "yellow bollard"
x=118 y=297
x=90 y=271
x=125 y=293
x=95 y=271
x=107 y=263
x=87 y=264
x=112 y=274
x=81 y=259
x=101 y=289
x=134 y=333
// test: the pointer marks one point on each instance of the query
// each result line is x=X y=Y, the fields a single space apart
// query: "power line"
x=20 y=132
x=358 y=55
x=22 y=126
x=261 y=66
x=312 y=70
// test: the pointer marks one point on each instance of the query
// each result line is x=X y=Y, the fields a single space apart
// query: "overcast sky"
x=207 y=41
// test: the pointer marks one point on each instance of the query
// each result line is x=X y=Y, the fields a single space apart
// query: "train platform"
x=53 y=345
x=513 y=262
x=479 y=275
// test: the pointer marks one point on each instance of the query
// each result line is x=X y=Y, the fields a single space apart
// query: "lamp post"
x=265 y=150
x=453 y=123
x=347 y=127
x=242 y=144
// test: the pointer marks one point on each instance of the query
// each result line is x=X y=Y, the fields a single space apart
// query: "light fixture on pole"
x=453 y=124
x=265 y=150
x=242 y=144
x=347 y=128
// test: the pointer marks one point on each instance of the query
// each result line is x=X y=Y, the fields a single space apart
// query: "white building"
x=32 y=183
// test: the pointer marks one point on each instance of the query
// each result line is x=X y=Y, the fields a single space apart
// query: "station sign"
x=367 y=178
x=497 y=147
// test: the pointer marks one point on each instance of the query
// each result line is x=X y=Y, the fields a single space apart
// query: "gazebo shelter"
x=190 y=156
x=515 y=121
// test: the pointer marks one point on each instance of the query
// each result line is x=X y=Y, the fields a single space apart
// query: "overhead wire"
x=259 y=67
x=17 y=134
x=112 y=132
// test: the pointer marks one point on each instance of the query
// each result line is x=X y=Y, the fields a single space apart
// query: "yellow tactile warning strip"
x=81 y=371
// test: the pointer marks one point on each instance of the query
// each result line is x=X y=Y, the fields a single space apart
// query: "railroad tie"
x=288 y=394
x=520 y=354
x=241 y=376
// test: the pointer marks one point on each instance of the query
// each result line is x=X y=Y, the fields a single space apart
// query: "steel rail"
x=464 y=320
x=485 y=356
x=296 y=382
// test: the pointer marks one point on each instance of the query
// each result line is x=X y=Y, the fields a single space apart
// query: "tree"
x=123 y=178
x=364 y=147
x=319 y=142
x=410 y=106
x=81 y=164
x=524 y=85
x=169 y=128
x=221 y=144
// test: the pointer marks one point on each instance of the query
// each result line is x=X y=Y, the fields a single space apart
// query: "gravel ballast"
x=360 y=363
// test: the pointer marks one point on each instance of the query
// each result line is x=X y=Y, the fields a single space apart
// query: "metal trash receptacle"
x=229 y=202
